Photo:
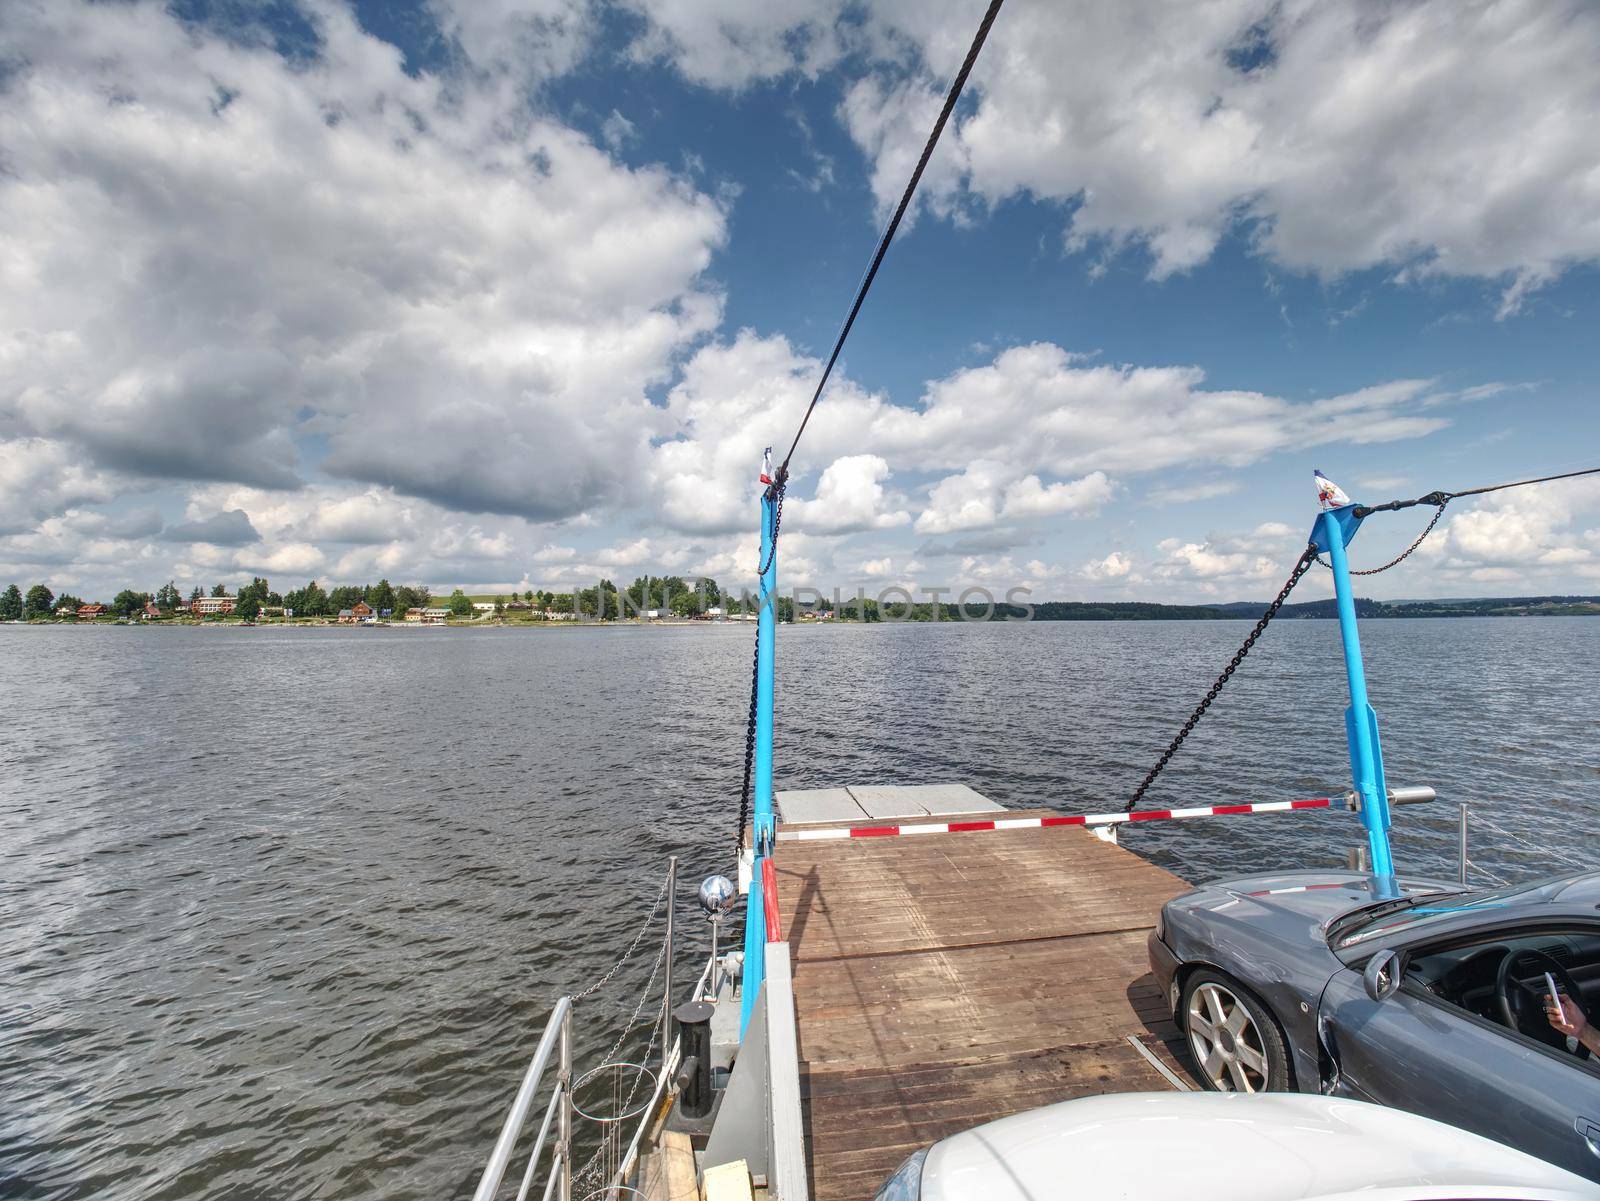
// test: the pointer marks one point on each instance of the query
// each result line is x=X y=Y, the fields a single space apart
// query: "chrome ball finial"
x=717 y=895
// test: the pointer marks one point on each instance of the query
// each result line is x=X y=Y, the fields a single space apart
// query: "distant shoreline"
x=1049 y=611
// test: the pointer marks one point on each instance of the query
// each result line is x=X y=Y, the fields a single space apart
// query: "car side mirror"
x=1383 y=975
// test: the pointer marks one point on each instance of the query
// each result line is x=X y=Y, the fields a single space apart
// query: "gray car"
x=1430 y=1002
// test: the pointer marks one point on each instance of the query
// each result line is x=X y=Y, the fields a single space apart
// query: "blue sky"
x=512 y=294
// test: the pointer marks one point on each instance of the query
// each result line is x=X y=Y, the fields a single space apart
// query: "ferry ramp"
x=943 y=980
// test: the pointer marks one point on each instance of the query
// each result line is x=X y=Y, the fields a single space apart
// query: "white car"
x=1226 y=1147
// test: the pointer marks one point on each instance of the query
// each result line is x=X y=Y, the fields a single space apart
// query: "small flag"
x=1329 y=494
x=766 y=466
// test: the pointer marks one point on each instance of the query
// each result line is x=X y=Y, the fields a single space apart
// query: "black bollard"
x=694 y=1072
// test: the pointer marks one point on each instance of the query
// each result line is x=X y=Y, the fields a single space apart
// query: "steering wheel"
x=1522 y=1008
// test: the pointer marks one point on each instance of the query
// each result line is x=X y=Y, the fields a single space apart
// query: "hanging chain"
x=1300 y=568
x=778 y=489
x=755 y=671
x=632 y=947
x=749 y=744
x=1405 y=554
x=593 y=1163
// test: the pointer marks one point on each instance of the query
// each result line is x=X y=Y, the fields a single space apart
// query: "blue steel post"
x=1335 y=527
x=761 y=824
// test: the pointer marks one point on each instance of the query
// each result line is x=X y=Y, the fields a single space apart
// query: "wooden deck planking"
x=945 y=980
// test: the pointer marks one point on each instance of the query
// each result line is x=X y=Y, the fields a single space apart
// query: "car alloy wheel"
x=1227 y=1042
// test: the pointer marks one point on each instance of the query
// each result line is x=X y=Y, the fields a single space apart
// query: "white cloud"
x=1228 y=566
x=733 y=399
x=1526 y=534
x=534 y=39
x=1115 y=566
x=40 y=478
x=1038 y=407
x=989 y=491
x=618 y=132
x=733 y=43
x=1030 y=498
x=849 y=498
x=1033 y=413
x=465 y=299
x=1186 y=491
x=889 y=121
x=1439 y=137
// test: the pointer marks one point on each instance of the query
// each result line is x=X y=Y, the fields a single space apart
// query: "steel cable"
x=950 y=99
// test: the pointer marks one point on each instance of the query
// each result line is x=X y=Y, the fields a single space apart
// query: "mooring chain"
x=632 y=947
x=644 y=995
x=1405 y=554
x=749 y=743
x=1300 y=568
x=610 y=1056
x=778 y=489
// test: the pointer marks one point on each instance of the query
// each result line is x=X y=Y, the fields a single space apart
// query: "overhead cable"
x=950 y=99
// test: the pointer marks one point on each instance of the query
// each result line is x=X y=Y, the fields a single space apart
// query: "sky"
x=512 y=293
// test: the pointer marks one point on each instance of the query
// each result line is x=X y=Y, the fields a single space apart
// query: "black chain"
x=1300 y=569
x=755 y=670
x=778 y=489
x=749 y=744
x=1405 y=554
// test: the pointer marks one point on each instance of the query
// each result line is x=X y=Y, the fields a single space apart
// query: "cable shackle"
x=1442 y=498
x=1439 y=499
x=1422 y=537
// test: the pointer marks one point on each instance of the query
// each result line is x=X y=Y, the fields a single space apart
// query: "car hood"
x=1316 y=897
x=1265 y=1147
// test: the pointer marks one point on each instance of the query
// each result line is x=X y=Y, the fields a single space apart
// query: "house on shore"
x=483 y=606
x=211 y=606
x=150 y=611
x=363 y=611
x=91 y=611
x=435 y=616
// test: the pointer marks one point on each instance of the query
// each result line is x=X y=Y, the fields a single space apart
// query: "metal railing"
x=557 y=1032
x=556 y=1044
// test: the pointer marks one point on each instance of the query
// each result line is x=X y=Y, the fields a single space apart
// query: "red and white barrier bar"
x=1025 y=823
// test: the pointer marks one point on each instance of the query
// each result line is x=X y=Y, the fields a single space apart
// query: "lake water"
x=282 y=911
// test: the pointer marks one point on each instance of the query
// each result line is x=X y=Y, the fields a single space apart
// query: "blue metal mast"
x=762 y=826
x=1334 y=529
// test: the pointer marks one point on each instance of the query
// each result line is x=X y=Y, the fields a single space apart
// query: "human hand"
x=1565 y=1015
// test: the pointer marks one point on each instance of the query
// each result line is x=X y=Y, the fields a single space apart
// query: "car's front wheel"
x=1236 y=1044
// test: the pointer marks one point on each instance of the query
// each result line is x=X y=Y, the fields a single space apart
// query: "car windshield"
x=1388 y=917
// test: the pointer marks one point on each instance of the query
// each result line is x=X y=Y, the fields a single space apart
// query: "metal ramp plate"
x=936 y=800
x=878 y=802
x=920 y=800
x=809 y=806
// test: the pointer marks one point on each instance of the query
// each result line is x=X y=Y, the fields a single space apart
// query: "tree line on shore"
x=672 y=596
x=311 y=601
x=669 y=594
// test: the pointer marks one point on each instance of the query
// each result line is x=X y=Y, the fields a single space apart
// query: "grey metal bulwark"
x=759 y=1121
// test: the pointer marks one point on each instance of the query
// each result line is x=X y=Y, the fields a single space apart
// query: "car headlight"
x=906 y=1183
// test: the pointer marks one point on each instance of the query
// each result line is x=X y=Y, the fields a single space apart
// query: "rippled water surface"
x=282 y=911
